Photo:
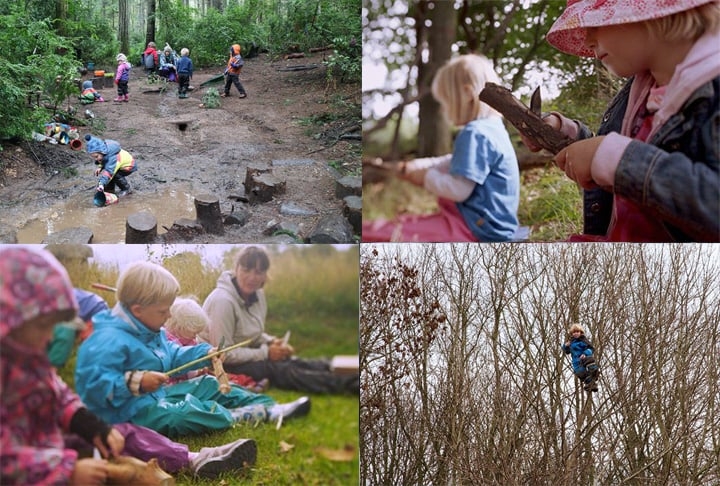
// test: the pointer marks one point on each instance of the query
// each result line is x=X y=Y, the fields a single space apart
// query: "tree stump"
x=254 y=170
x=264 y=187
x=140 y=228
x=208 y=212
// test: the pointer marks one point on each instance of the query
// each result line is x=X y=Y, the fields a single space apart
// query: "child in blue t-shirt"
x=478 y=185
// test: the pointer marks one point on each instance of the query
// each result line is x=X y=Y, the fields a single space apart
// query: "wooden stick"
x=207 y=357
x=522 y=118
x=221 y=376
x=103 y=287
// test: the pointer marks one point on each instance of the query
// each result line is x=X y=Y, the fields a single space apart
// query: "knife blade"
x=536 y=102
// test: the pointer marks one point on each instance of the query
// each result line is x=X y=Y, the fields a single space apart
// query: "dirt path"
x=289 y=121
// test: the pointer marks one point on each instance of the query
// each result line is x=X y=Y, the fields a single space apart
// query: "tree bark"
x=150 y=26
x=434 y=137
x=527 y=122
x=123 y=34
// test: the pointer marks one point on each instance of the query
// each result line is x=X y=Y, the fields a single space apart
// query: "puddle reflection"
x=108 y=223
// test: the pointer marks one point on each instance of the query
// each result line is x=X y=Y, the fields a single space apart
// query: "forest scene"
x=300 y=119
x=404 y=44
x=464 y=380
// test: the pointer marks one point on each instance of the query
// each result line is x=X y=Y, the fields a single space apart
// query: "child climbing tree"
x=583 y=360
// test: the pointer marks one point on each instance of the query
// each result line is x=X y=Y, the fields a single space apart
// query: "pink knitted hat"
x=32 y=283
x=568 y=32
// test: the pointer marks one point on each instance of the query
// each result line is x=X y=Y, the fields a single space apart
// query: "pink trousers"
x=447 y=225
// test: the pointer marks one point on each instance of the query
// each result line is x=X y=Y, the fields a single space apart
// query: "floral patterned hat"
x=568 y=32
x=32 y=283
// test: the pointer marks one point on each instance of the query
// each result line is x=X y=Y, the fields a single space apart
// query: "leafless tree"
x=464 y=381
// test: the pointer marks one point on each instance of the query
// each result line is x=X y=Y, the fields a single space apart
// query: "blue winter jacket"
x=578 y=347
x=120 y=343
x=686 y=200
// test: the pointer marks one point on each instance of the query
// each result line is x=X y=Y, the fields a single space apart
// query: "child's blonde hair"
x=184 y=51
x=576 y=327
x=187 y=318
x=687 y=25
x=458 y=84
x=146 y=283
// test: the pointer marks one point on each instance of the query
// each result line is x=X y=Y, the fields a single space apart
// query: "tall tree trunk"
x=150 y=27
x=61 y=12
x=434 y=133
x=123 y=34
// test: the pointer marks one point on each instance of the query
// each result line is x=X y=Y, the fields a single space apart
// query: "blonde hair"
x=187 y=318
x=184 y=51
x=458 y=84
x=576 y=327
x=689 y=24
x=146 y=283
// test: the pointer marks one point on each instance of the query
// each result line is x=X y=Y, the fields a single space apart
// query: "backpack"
x=149 y=61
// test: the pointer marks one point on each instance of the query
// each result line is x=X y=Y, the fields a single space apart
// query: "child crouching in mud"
x=114 y=165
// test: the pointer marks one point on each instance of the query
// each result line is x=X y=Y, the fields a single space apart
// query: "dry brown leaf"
x=345 y=454
x=285 y=447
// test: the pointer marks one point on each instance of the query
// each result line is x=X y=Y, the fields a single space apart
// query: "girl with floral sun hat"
x=651 y=174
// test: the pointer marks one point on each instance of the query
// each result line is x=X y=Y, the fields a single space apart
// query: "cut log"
x=207 y=207
x=140 y=228
x=522 y=118
x=254 y=169
x=265 y=187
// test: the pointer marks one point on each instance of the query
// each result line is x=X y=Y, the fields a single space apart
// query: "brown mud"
x=293 y=120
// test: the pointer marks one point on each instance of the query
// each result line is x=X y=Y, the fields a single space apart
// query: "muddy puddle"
x=108 y=223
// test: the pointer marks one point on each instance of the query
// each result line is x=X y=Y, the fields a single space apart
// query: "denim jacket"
x=690 y=205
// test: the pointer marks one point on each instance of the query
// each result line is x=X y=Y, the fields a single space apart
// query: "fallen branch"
x=528 y=123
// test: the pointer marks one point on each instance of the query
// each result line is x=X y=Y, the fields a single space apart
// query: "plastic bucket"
x=104 y=199
x=90 y=66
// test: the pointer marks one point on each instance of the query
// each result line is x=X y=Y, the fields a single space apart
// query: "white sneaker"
x=235 y=456
x=298 y=408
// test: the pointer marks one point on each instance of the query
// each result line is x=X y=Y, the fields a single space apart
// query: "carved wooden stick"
x=522 y=118
x=208 y=356
x=221 y=376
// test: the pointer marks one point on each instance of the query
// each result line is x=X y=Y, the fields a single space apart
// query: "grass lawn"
x=320 y=449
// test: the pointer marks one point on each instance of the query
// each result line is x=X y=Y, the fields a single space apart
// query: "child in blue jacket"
x=583 y=359
x=121 y=372
x=114 y=164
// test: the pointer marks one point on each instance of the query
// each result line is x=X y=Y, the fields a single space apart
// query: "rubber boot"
x=123 y=185
x=126 y=98
x=253 y=414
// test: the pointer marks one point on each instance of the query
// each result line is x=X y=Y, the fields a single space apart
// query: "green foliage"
x=345 y=62
x=36 y=61
x=211 y=98
x=38 y=52
x=551 y=204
